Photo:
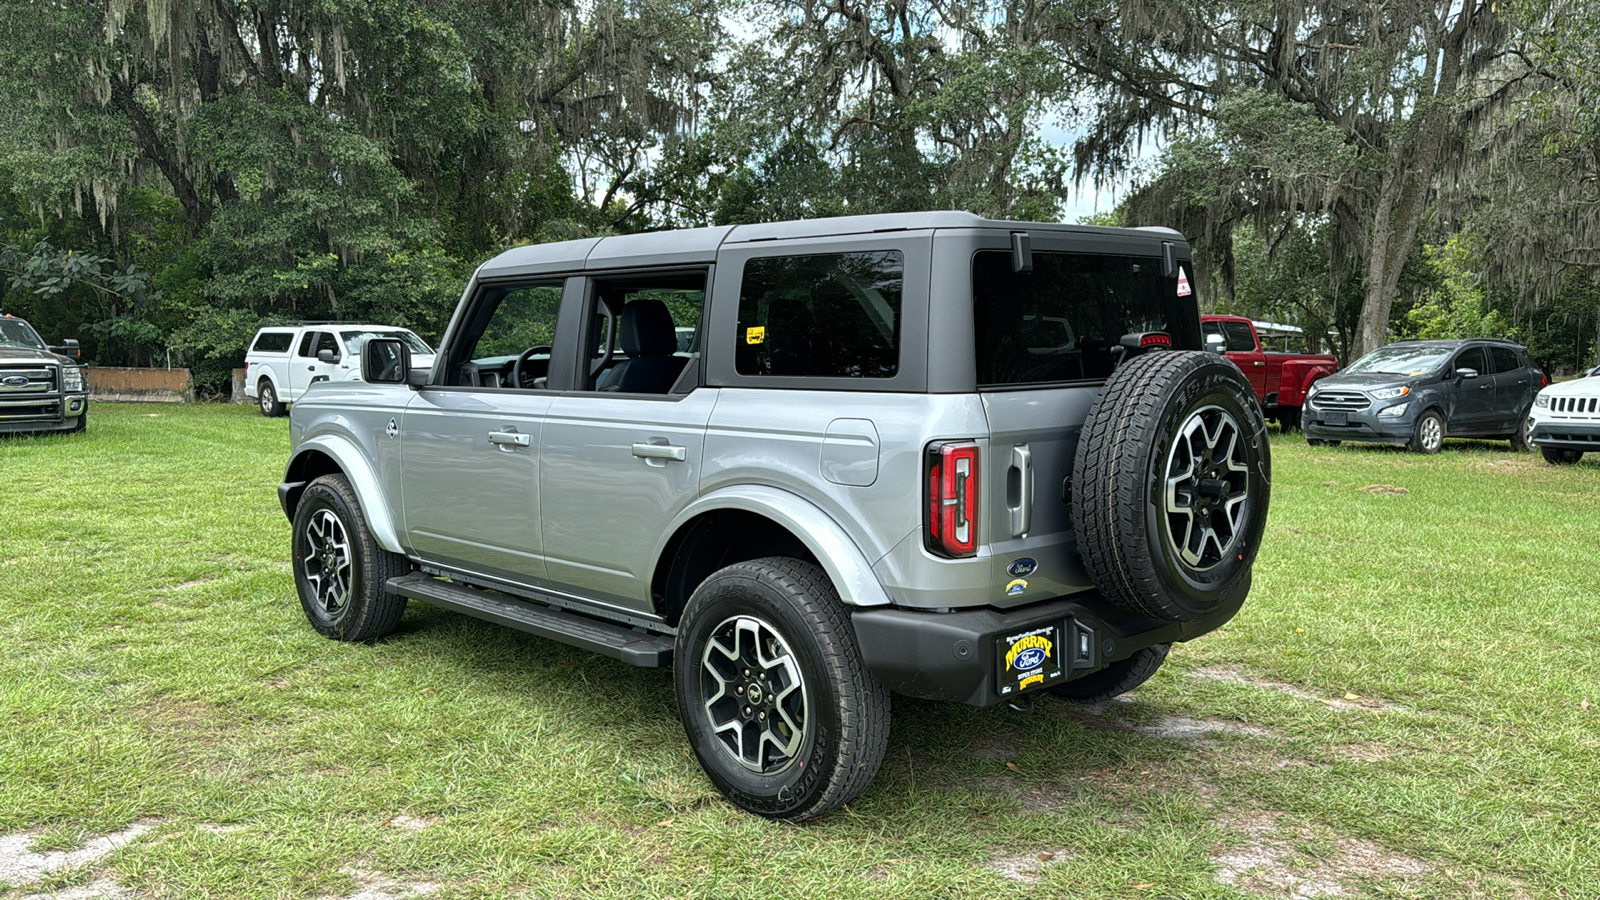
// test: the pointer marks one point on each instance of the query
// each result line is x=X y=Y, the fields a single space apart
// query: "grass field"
x=1407 y=707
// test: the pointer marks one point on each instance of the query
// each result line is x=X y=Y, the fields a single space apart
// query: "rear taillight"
x=951 y=503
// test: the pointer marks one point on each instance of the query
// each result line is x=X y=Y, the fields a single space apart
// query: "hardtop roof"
x=700 y=245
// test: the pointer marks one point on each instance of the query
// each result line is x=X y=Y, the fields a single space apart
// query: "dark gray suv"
x=1417 y=393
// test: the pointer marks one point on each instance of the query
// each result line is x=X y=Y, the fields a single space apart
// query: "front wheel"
x=1428 y=435
x=339 y=568
x=1558 y=457
x=780 y=710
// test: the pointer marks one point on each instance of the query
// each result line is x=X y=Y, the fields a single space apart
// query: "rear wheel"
x=1170 y=485
x=780 y=710
x=1318 y=442
x=1116 y=679
x=1428 y=435
x=267 y=396
x=1558 y=457
x=1522 y=438
x=339 y=568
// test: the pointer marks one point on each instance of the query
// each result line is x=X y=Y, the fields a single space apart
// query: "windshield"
x=354 y=339
x=17 y=333
x=1065 y=319
x=1414 y=360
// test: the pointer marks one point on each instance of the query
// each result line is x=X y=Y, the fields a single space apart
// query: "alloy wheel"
x=327 y=562
x=1207 y=488
x=755 y=694
x=1432 y=433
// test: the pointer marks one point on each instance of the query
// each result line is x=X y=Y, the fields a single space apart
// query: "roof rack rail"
x=287 y=323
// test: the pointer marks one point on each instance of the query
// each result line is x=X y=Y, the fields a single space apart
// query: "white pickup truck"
x=284 y=360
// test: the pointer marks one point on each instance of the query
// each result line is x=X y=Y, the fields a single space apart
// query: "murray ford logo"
x=15 y=381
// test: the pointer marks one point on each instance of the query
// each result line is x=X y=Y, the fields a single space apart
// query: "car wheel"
x=1116 y=679
x=1318 y=442
x=1558 y=457
x=267 y=396
x=783 y=715
x=1522 y=438
x=83 y=423
x=1428 y=435
x=1289 y=418
x=1170 y=485
x=339 y=569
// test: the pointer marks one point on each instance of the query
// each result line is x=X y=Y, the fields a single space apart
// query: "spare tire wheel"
x=1170 y=485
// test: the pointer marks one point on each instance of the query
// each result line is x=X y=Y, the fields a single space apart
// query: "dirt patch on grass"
x=1267 y=862
x=378 y=886
x=1347 y=702
x=1185 y=728
x=21 y=866
x=1390 y=489
x=1027 y=868
x=994 y=747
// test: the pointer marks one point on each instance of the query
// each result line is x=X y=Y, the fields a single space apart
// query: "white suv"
x=284 y=360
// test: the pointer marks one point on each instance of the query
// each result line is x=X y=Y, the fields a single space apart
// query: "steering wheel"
x=524 y=356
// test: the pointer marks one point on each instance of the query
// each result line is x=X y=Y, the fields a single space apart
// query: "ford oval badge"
x=1030 y=658
x=1022 y=568
x=15 y=381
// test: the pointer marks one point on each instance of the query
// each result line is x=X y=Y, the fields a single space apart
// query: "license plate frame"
x=1336 y=418
x=1030 y=658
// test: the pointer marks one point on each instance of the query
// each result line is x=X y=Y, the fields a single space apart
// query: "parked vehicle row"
x=284 y=360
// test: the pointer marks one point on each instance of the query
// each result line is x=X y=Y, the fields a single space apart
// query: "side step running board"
x=637 y=648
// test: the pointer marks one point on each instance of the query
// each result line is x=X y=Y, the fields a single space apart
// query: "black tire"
x=1558 y=457
x=339 y=568
x=83 y=423
x=1318 y=442
x=1521 y=439
x=1427 y=436
x=267 y=398
x=1116 y=679
x=830 y=713
x=1140 y=430
x=1288 y=418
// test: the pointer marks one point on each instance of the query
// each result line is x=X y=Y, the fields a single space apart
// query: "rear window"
x=273 y=342
x=1061 y=321
x=831 y=316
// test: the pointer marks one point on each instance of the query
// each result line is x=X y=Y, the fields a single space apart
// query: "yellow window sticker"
x=755 y=334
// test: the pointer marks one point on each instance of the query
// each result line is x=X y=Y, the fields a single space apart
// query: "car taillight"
x=952 y=499
x=1544 y=380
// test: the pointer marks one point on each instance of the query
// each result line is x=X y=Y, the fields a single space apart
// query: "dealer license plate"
x=1336 y=418
x=1030 y=658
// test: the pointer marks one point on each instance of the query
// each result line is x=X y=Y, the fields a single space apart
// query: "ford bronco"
x=924 y=453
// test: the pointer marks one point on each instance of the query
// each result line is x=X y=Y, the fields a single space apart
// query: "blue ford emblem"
x=15 y=381
x=1030 y=658
x=1022 y=568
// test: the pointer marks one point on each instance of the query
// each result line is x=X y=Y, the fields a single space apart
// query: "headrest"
x=647 y=329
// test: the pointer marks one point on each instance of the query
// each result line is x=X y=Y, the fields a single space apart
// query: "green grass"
x=156 y=667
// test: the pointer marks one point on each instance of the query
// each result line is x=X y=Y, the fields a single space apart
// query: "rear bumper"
x=1566 y=435
x=957 y=656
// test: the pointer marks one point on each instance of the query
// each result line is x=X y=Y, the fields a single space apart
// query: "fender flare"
x=847 y=567
x=355 y=467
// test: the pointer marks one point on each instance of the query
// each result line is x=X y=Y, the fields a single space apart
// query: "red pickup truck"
x=1280 y=379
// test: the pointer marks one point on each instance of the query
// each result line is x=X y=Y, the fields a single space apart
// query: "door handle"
x=510 y=438
x=660 y=451
x=1022 y=509
x=1258 y=363
x=1485 y=387
x=311 y=368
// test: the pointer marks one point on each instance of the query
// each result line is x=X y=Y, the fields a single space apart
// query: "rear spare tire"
x=1171 y=484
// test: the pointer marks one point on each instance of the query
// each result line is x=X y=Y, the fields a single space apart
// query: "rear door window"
x=273 y=342
x=829 y=316
x=1064 y=321
x=1505 y=360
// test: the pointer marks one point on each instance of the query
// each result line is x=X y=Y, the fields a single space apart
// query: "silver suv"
x=922 y=453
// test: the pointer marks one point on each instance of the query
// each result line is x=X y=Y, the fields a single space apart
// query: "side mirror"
x=327 y=356
x=1216 y=343
x=1466 y=373
x=385 y=361
x=69 y=347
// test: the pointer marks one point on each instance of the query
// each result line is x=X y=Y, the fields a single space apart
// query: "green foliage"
x=1457 y=308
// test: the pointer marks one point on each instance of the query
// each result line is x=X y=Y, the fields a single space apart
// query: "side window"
x=326 y=341
x=1239 y=337
x=307 y=342
x=514 y=320
x=1471 y=358
x=644 y=330
x=1505 y=360
x=273 y=342
x=833 y=316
